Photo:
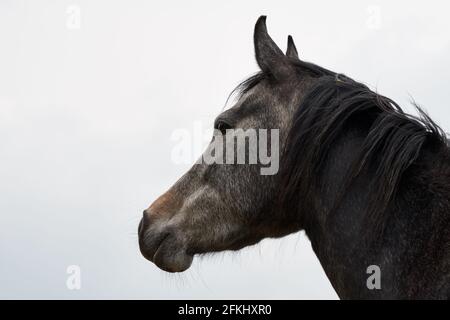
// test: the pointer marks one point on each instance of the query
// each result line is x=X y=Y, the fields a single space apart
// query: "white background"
x=87 y=108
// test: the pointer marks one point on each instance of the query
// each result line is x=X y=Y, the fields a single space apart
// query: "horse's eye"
x=222 y=126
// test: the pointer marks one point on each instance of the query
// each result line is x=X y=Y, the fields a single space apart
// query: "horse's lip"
x=164 y=237
x=170 y=255
x=149 y=247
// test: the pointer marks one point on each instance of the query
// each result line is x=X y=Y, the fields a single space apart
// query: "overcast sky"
x=91 y=91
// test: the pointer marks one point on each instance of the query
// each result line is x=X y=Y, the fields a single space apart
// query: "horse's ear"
x=291 y=51
x=268 y=56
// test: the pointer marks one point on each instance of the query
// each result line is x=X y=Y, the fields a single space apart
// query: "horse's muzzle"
x=160 y=244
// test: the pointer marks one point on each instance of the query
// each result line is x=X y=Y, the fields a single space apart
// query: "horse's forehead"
x=260 y=93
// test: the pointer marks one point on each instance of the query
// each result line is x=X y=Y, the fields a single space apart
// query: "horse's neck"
x=411 y=255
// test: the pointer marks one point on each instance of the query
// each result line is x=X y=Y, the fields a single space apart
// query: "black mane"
x=393 y=142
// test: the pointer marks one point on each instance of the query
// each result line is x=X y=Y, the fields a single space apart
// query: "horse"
x=368 y=183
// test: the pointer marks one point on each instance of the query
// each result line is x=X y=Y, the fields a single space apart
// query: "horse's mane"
x=393 y=142
x=302 y=68
x=334 y=103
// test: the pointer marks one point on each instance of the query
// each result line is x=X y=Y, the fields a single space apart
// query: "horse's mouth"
x=159 y=246
x=165 y=251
